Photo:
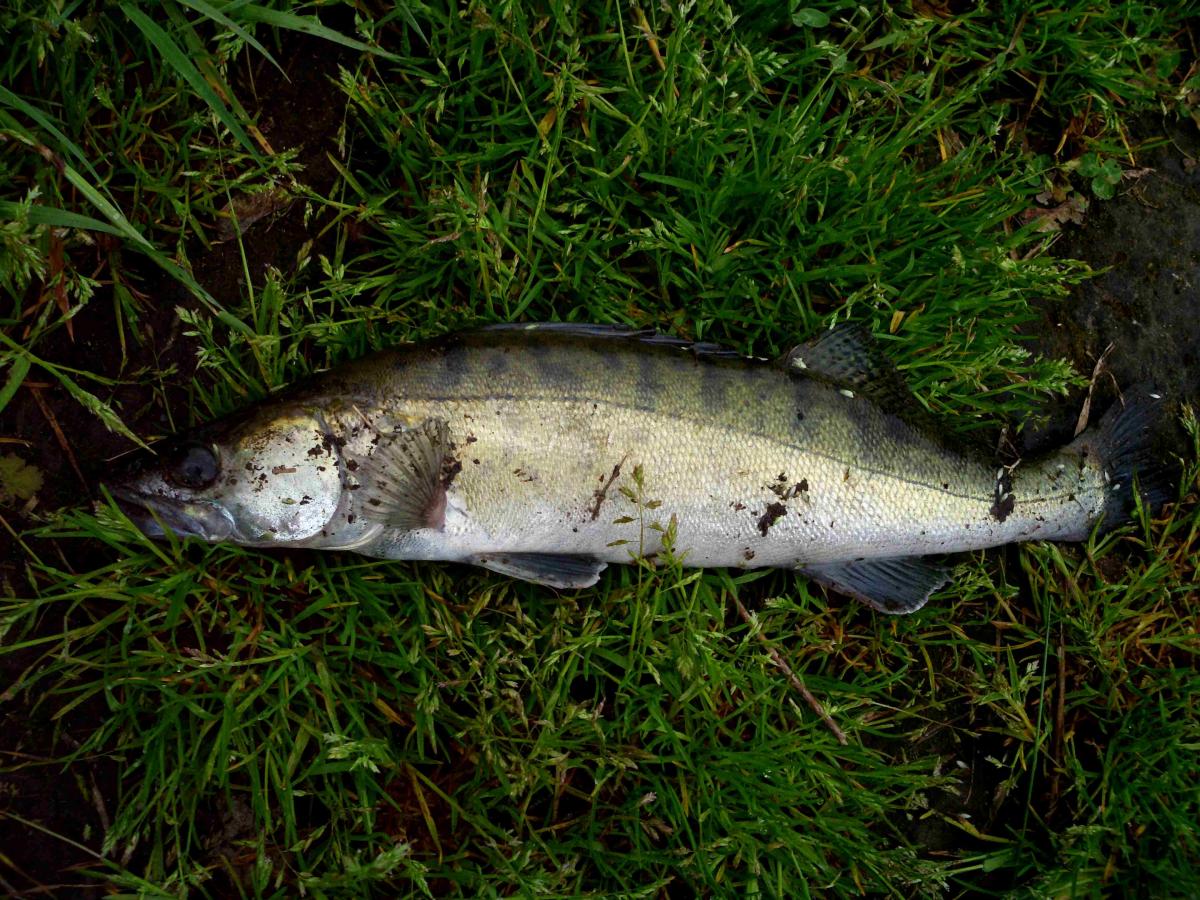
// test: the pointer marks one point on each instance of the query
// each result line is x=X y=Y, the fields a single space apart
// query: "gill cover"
x=281 y=480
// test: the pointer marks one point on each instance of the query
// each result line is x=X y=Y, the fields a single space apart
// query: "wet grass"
x=232 y=722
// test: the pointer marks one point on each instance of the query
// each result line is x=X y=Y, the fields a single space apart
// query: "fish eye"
x=193 y=466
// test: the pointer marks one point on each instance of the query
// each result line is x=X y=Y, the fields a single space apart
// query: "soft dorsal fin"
x=402 y=478
x=617 y=332
x=895 y=586
x=847 y=356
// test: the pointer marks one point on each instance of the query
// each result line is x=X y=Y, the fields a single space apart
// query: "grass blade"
x=110 y=211
x=207 y=9
x=126 y=229
x=59 y=218
x=186 y=69
x=43 y=121
x=310 y=27
x=16 y=374
x=86 y=398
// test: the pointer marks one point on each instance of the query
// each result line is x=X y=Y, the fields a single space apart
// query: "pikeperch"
x=544 y=451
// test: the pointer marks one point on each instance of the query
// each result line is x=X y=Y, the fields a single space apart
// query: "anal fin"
x=556 y=570
x=896 y=585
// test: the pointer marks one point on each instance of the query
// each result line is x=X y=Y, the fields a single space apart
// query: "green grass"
x=266 y=723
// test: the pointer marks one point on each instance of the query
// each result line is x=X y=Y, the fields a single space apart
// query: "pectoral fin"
x=401 y=481
x=556 y=570
x=895 y=586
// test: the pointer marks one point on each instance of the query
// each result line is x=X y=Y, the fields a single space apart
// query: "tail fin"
x=1123 y=443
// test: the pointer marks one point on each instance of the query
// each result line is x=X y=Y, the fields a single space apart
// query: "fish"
x=547 y=451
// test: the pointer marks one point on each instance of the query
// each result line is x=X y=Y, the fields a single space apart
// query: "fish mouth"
x=155 y=516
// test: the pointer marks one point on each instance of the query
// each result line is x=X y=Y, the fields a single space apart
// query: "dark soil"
x=1147 y=304
x=301 y=110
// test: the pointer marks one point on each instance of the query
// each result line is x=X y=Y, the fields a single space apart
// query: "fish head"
x=271 y=477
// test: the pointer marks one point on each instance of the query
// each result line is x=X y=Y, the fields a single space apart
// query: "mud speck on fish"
x=602 y=492
x=773 y=514
x=450 y=468
x=784 y=491
x=1005 y=501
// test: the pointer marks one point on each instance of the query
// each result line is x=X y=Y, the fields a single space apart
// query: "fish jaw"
x=155 y=516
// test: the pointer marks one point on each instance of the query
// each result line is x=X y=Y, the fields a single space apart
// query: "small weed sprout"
x=657 y=549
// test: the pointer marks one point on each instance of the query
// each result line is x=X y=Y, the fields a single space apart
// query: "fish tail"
x=1123 y=443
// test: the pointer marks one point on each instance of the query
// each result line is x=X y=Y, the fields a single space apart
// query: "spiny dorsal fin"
x=402 y=479
x=617 y=332
x=895 y=586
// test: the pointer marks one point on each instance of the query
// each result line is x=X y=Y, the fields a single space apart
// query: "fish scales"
x=873 y=485
x=531 y=444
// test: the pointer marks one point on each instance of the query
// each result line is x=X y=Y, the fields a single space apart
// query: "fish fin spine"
x=846 y=354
